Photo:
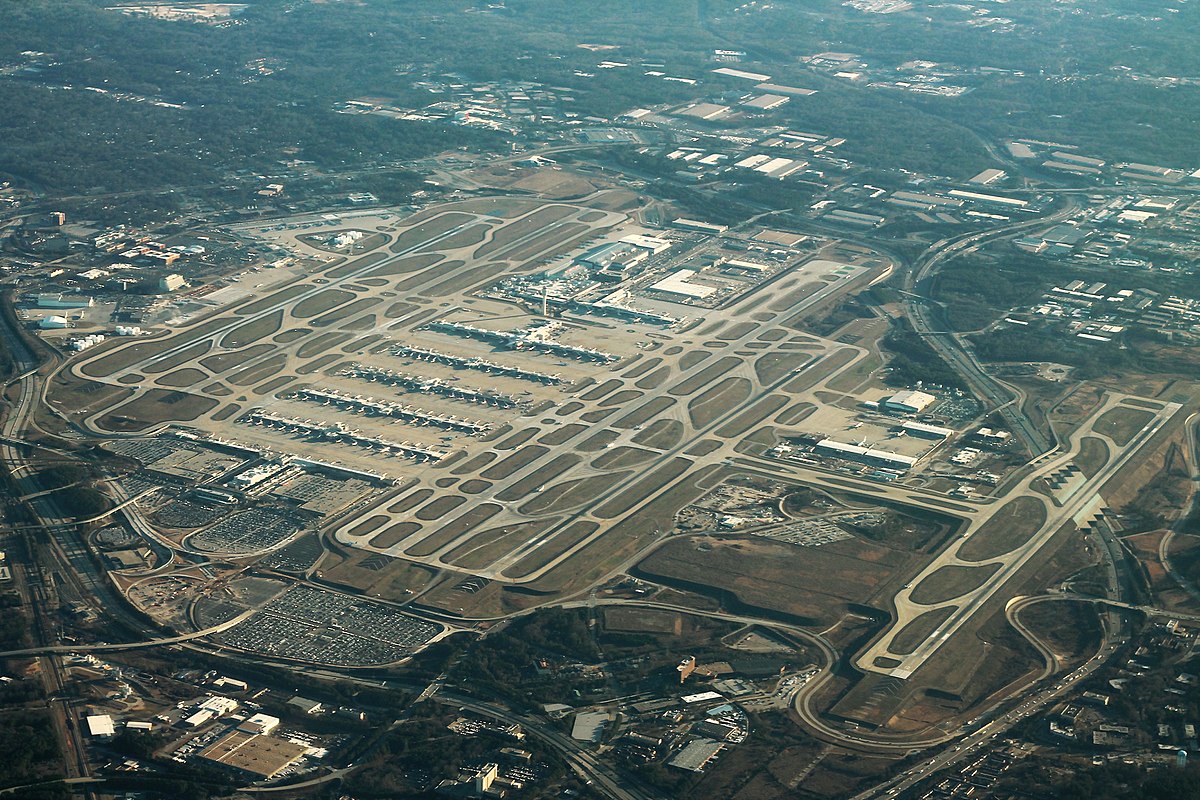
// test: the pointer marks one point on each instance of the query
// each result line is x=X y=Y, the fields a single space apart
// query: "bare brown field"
x=950 y=582
x=178 y=359
x=216 y=364
x=549 y=550
x=705 y=377
x=250 y=332
x=568 y=494
x=642 y=367
x=663 y=434
x=539 y=477
x=475 y=486
x=752 y=416
x=155 y=407
x=652 y=483
x=691 y=359
x=410 y=501
x=711 y=328
x=403 y=266
x=181 y=378
x=644 y=413
x=717 y=401
x=517 y=461
x=346 y=312
x=440 y=507
x=394 y=535
x=1121 y=424
x=1010 y=527
x=772 y=335
x=522 y=227
x=321 y=302
x=563 y=434
x=470 y=520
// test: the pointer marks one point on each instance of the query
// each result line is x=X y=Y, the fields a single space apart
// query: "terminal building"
x=864 y=455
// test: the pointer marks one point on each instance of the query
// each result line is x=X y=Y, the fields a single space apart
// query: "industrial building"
x=253 y=755
x=63 y=301
x=53 y=323
x=678 y=285
x=909 y=402
x=100 y=726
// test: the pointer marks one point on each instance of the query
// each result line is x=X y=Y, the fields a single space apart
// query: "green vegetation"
x=914 y=360
x=29 y=746
x=14 y=622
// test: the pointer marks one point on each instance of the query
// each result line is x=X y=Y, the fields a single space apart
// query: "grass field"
x=448 y=533
x=662 y=433
x=216 y=364
x=1093 y=455
x=689 y=360
x=539 y=477
x=815 y=585
x=705 y=377
x=654 y=482
x=718 y=400
x=1121 y=424
x=181 y=378
x=642 y=367
x=154 y=407
x=569 y=494
x=321 y=302
x=950 y=582
x=917 y=631
x=752 y=416
x=274 y=385
x=1010 y=527
x=251 y=332
x=655 y=379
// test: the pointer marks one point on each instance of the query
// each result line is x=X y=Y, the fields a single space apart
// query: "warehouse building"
x=909 y=402
x=253 y=755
